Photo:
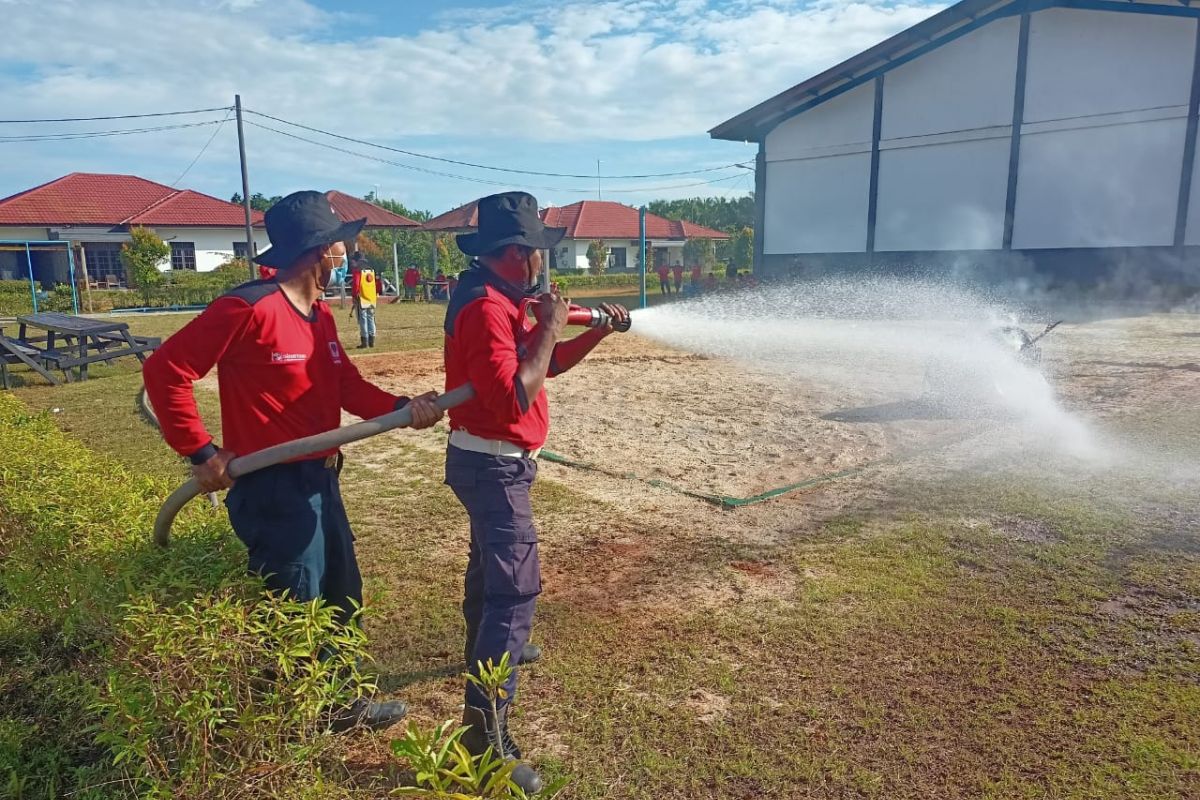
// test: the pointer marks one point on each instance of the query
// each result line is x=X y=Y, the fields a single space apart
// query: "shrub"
x=164 y=661
x=566 y=282
x=141 y=256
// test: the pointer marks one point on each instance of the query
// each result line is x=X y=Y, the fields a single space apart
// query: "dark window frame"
x=183 y=256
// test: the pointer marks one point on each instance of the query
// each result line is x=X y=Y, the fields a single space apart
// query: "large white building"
x=1059 y=134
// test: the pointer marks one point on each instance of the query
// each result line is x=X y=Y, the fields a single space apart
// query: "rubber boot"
x=485 y=730
x=362 y=345
x=371 y=715
x=371 y=341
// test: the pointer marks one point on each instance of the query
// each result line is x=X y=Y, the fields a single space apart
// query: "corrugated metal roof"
x=754 y=124
x=350 y=208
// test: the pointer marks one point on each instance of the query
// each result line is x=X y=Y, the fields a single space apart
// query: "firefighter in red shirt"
x=496 y=437
x=283 y=375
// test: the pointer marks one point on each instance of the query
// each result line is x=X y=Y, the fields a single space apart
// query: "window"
x=104 y=263
x=239 y=250
x=616 y=258
x=183 y=255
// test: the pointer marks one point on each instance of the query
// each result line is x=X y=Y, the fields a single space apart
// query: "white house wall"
x=23 y=234
x=214 y=246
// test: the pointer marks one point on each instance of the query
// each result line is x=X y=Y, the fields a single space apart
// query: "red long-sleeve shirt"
x=485 y=333
x=282 y=375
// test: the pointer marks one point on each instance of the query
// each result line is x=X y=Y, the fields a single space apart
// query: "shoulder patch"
x=253 y=291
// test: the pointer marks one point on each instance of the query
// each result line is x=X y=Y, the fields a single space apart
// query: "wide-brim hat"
x=300 y=222
x=509 y=218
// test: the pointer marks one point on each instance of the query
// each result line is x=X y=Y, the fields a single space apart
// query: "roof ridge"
x=173 y=193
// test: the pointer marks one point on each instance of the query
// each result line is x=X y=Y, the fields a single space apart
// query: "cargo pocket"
x=512 y=569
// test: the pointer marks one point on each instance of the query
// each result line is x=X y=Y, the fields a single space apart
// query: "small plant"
x=443 y=768
x=141 y=257
x=597 y=256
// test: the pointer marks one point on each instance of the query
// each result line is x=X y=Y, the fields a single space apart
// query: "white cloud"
x=623 y=69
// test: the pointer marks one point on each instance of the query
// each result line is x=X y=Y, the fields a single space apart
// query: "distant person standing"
x=365 y=287
x=696 y=275
x=439 y=286
x=677 y=274
x=731 y=274
x=412 y=279
x=664 y=278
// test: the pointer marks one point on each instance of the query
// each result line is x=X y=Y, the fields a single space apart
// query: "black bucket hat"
x=300 y=222
x=509 y=218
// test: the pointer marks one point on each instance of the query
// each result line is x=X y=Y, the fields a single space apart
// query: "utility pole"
x=237 y=104
x=642 y=267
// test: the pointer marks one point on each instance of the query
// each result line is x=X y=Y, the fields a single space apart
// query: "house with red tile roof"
x=618 y=226
x=95 y=213
x=615 y=224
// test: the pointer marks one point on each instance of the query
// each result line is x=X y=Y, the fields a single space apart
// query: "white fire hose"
x=290 y=451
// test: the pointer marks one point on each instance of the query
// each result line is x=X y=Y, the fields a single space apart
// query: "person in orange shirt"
x=664 y=278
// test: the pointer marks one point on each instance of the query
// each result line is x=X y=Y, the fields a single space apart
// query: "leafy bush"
x=566 y=282
x=141 y=256
x=170 y=661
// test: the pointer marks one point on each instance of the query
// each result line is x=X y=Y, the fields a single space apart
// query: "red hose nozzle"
x=593 y=318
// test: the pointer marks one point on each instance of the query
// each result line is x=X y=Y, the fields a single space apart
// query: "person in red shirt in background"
x=677 y=273
x=282 y=375
x=496 y=437
x=696 y=275
x=664 y=278
x=412 y=279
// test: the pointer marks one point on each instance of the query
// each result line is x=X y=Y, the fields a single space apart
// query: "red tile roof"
x=351 y=208
x=602 y=219
x=83 y=198
x=463 y=218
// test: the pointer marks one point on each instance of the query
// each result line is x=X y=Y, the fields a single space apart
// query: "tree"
x=597 y=256
x=141 y=257
x=258 y=201
x=700 y=251
x=742 y=249
x=729 y=215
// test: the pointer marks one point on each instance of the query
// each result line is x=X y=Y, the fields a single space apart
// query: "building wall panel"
x=844 y=120
x=965 y=84
x=1115 y=186
x=817 y=205
x=1084 y=63
x=943 y=197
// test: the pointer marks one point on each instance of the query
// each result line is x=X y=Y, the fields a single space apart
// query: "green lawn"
x=1001 y=635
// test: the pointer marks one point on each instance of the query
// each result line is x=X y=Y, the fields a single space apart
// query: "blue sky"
x=534 y=85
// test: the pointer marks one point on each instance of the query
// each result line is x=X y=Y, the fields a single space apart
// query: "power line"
x=183 y=174
x=63 y=137
x=415 y=154
x=119 y=116
x=485 y=181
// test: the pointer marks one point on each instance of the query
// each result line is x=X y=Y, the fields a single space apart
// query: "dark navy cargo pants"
x=503 y=576
x=293 y=522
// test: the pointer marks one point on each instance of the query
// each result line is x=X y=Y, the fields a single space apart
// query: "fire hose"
x=329 y=440
x=298 y=448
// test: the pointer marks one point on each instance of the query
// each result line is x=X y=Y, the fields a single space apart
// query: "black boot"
x=486 y=730
x=371 y=341
x=362 y=345
x=371 y=715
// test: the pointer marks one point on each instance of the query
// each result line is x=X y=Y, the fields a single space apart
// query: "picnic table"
x=69 y=344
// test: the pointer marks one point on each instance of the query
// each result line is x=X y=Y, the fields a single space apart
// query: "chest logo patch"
x=285 y=358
